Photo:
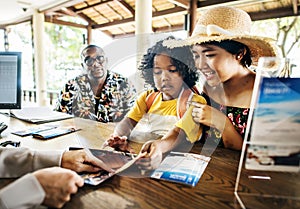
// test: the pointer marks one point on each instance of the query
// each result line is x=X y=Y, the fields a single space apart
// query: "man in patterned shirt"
x=98 y=94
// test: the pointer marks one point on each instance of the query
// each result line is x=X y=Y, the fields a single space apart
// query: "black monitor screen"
x=10 y=80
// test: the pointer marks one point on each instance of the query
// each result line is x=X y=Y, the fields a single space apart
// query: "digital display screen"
x=10 y=80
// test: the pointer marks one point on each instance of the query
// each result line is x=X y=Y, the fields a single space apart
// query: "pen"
x=104 y=145
x=75 y=148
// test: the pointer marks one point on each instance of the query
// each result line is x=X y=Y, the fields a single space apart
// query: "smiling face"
x=166 y=77
x=216 y=64
x=95 y=62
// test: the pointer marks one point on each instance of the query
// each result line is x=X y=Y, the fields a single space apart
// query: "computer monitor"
x=10 y=80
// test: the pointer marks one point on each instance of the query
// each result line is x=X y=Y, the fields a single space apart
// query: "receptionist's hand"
x=58 y=184
x=83 y=161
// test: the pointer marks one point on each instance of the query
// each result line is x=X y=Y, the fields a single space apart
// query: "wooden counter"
x=214 y=190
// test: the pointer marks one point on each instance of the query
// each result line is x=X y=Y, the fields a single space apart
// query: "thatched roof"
x=116 y=17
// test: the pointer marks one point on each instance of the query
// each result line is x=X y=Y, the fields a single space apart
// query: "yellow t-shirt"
x=162 y=116
x=192 y=130
x=159 y=119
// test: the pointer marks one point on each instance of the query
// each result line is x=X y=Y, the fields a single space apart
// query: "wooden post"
x=193 y=15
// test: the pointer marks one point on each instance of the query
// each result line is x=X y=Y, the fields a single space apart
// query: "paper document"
x=39 y=115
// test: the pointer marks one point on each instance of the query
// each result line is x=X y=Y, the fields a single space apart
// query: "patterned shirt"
x=238 y=117
x=116 y=99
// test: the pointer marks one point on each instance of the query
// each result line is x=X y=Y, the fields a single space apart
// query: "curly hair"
x=181 y=58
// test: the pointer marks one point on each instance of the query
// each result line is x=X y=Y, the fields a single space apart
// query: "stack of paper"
x=39 y=115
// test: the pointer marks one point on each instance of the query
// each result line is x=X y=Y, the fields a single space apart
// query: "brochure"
x=276 y=117
x=185 y=168
x=273 y=134
x=119 y=161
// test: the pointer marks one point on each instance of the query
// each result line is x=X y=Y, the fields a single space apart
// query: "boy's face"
x=166 y=77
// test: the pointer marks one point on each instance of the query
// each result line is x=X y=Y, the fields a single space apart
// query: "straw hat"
x=229 y=23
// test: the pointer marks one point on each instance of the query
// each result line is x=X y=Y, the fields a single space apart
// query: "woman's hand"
x=208 y=116
x=212 y=117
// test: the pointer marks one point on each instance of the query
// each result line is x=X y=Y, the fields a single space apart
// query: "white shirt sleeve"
x=15 y=162
x=26 y=192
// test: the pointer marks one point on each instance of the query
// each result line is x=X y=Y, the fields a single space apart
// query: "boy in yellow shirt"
x=164 y=110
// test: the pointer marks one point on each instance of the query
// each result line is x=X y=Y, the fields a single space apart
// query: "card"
x=33 y=130
x=49 y=134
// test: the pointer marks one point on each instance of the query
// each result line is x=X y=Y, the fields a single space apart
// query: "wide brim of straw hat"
x=229 y=23
x=258 y=46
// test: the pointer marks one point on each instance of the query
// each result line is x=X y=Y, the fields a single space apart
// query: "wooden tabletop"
x=214 y=190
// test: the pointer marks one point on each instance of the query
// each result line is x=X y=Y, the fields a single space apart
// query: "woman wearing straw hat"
x=223 y=51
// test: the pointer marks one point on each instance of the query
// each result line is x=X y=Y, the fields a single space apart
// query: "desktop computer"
x=10 y=82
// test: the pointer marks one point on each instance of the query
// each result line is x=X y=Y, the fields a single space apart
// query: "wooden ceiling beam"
x=61 y=22
x=105 y=26
x=125 y=5
x=214 y=2
x=181 y=3
x=276 y=13
x=82 y=16
x=167 y=12
x=160 y=14
x=91 y=6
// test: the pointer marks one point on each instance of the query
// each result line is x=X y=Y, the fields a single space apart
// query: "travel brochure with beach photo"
x=275 y=129
x=119 y=161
